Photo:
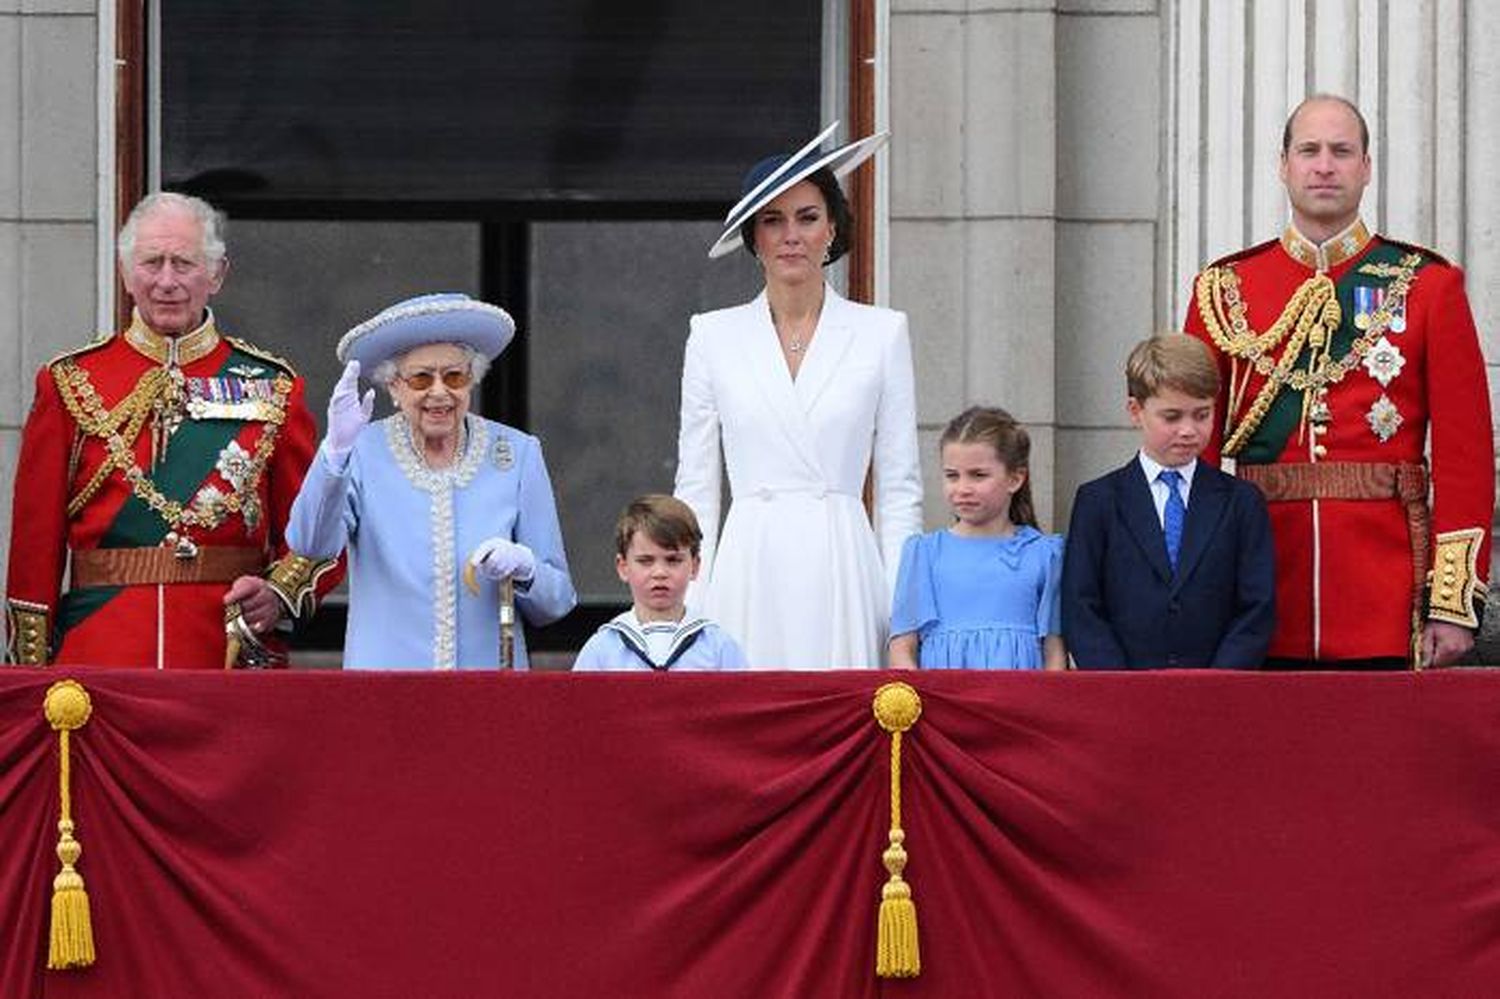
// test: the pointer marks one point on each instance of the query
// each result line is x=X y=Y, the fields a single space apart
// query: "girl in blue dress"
x=982 y=594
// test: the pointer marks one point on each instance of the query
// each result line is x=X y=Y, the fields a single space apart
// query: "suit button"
x=1172 y=660
x=1173 y=607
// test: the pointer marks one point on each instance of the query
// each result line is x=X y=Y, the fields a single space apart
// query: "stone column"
x=973 y=216
x=48 y=201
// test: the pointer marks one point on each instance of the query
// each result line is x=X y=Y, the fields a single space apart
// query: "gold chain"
x=87 y=409
x=1220 y=304
x=1307 y=311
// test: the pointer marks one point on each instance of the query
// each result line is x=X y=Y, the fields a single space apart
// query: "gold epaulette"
x=262 y=353
x=294 y=579
x=29 y=629
x=1456 y=589
x=99 y=340
x=1248 y=251
x=1432 y=255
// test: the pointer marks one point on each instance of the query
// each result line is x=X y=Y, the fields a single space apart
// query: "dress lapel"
x=783 y=402
x=826 y=350
x=1139 y=513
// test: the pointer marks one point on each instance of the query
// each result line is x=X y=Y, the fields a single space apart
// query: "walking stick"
x=507 y=614
x=507 y=624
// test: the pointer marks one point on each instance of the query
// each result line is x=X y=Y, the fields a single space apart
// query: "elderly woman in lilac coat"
x=432 y=497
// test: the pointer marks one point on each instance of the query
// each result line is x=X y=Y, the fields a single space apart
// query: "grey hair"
x=384 y=373
x=210 y=223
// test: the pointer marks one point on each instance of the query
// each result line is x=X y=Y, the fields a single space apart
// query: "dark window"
x=556 y=101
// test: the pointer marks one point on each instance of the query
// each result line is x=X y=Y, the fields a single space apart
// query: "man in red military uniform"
x=157 y=467
x=1345 y=356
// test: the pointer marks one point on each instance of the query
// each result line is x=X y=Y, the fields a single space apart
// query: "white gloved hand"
x=497 y=558
x=347 y=412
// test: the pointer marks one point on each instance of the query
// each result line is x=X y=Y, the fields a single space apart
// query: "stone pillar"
x=48 y=201
x=973 y=215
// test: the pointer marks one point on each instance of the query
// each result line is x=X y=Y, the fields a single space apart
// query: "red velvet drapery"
x=417 y=836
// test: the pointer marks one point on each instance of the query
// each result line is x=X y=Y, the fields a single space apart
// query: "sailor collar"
x=631 y=632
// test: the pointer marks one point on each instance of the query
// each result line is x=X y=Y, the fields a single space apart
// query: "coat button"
x=1173 y=607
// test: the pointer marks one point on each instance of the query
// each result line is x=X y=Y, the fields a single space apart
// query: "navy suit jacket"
x=1124 y=607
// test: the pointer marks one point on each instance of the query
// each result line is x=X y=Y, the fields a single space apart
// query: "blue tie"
x=1174 y=514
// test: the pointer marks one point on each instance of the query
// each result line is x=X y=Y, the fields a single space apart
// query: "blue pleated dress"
x=979 y=603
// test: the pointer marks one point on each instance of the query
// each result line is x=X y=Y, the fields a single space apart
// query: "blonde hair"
x=1012 y=445
x=1171 y=361
x=664 y=519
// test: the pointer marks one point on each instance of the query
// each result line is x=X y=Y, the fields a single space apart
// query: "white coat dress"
x=797 y=573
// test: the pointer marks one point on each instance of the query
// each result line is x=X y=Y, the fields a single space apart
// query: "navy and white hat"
x=446 y=317
x=773 y=176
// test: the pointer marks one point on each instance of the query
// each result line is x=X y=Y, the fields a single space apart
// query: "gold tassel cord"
x=67 y=708
x=897 y=708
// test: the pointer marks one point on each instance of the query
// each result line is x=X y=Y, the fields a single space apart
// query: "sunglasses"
x=421 y=381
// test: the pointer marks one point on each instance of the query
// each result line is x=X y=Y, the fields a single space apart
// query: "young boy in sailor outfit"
x=656 y=554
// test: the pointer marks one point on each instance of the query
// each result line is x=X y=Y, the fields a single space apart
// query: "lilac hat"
x=772 y=177
x=446 y=317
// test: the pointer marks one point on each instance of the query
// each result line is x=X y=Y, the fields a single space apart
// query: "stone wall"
x=48 y=197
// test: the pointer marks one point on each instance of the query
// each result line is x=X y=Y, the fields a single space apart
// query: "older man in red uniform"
x=157 y=467
x=1349 y=358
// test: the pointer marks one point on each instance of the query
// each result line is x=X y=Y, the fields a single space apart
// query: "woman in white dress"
x=804 y=391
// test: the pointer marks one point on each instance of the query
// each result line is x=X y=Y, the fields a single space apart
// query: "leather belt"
x=142 y=566
x=1359 y=480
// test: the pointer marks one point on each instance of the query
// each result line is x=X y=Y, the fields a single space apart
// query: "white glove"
x=497 y=558
x=347 y=412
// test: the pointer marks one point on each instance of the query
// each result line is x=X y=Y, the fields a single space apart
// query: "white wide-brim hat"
x=773 y=176
x=446 y=317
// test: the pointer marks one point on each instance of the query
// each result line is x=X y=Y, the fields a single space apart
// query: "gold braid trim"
x=1454 y=580
x=1220 y=305
x=88 y=411
x=29 y=626
x=124 y=421
x=294 y=579
x=1312 y=314
x=245 y=347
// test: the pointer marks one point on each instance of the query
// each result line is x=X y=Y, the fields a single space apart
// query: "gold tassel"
x=897 y=708
x=67 y=707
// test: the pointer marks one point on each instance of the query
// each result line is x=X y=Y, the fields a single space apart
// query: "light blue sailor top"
x=409 y=529
x=626 y=643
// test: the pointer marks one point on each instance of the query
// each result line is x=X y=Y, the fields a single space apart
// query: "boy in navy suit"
x=1168 y=560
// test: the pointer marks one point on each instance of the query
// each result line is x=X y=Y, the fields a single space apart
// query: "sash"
x=1361 y=285
x=194 y=454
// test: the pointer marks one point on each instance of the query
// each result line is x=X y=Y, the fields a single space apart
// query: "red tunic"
x=1344 y=567
x=212 y=465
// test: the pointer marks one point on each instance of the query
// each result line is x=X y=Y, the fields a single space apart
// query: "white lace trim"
x=439 y=484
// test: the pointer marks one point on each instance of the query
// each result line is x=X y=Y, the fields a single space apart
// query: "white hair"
x=210 y=223
x=384 y=373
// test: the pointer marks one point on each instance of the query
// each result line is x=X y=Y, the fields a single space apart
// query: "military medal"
x=1384 y=361
x=1398 y=320
x=1384 y=418
x=1367 y=301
